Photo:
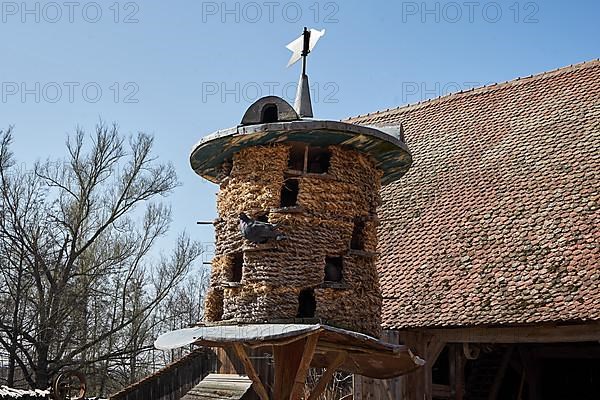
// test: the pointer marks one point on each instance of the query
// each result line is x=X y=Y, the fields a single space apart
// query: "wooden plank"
x=358 y=386
x=257 y=384
x=327 y=375
x=307 y=355
x=386 y=389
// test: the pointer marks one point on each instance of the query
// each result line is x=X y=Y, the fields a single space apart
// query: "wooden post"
x=419 y=383
x=257 y=384
x=292 y=361
x=307 y=355
x=305 y=168
x=457 y=372
x=287 y=360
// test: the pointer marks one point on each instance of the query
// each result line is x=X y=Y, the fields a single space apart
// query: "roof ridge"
x=483 y=89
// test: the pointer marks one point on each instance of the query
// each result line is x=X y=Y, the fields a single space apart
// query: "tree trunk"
x=42 y=378
x=12 y=351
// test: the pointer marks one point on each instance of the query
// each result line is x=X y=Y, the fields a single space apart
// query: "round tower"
x=316 y=183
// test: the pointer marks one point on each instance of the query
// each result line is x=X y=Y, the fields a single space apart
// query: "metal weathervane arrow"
x=300 y=48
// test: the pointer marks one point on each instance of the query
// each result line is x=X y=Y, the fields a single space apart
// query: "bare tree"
x=80 y=280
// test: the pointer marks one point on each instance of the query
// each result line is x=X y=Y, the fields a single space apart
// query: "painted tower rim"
x=390 y=154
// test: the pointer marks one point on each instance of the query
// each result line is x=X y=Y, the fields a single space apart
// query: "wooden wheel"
x=69 y=385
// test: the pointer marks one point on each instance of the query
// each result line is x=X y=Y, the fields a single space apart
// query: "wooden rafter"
x=327 y=375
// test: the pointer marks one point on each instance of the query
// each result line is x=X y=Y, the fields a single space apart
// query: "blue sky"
x=183 y=69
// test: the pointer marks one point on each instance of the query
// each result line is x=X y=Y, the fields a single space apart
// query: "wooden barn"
x=489 y=245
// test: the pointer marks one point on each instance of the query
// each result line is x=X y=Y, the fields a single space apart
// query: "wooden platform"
x=296 y=348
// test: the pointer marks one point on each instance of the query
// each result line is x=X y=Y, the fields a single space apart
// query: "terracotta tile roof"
x=497 y=221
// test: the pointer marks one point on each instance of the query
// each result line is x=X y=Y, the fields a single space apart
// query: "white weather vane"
x=300 y=48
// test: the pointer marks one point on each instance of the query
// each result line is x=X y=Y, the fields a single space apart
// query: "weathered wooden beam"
x=518 y=334
x=327 y=375
x=257 y=384
x=307 y=355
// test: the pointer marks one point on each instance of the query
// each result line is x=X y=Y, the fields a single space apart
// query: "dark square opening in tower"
x=307 y=305
x=236 y=267
x=296 y=157
x=358 y=235
x=289 y=193
x=318 y=160
x=333 y=269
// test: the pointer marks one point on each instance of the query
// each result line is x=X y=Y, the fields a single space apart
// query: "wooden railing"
x=173 y=381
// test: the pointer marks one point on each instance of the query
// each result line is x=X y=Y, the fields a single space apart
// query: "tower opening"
x=307 y=305
x=296 y=158
x=358 y=235
x=236 y=267
x=318 y=160
x=333 y=269
x=289 y=193
x=269 y=113
x=262 y=218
